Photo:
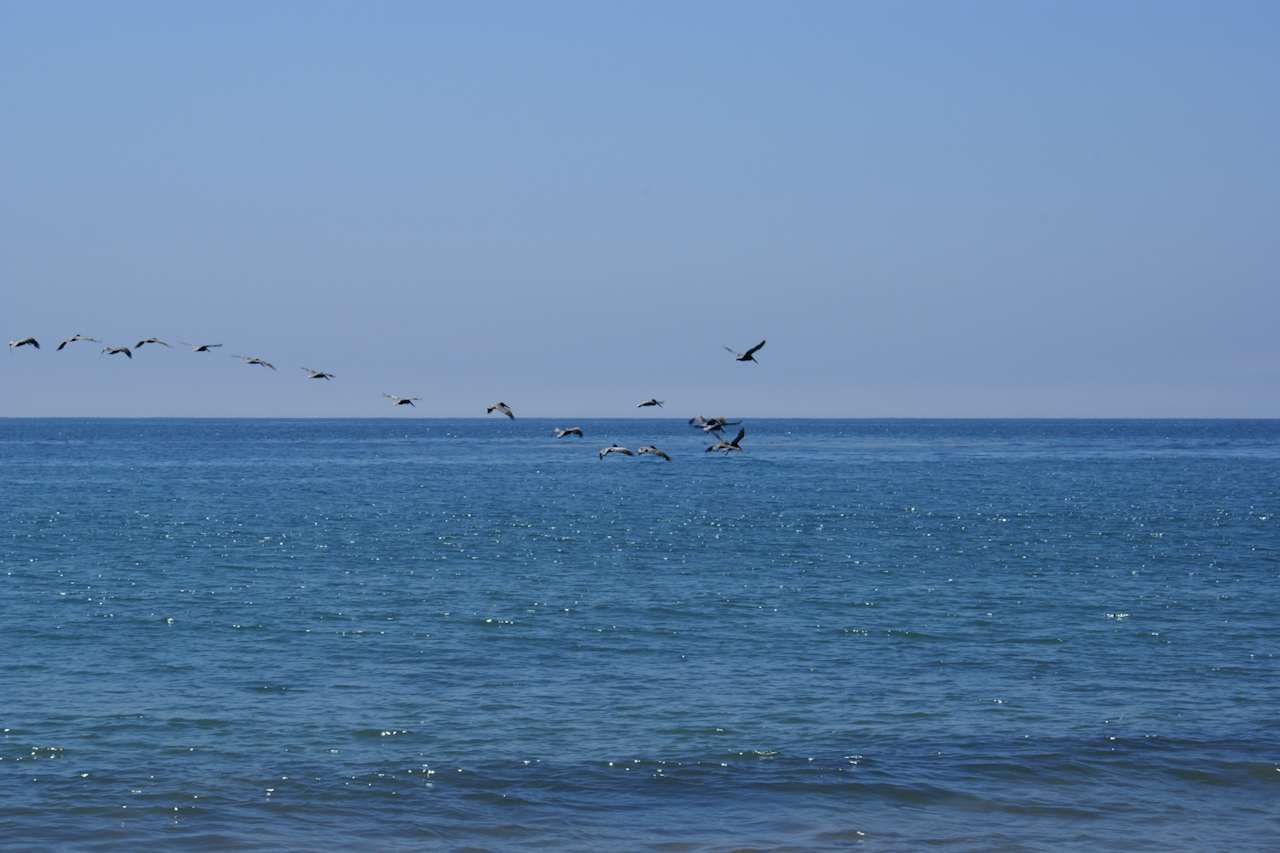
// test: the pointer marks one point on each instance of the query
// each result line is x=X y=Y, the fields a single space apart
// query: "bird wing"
x=63 y=344
x=732 y=350
x=754 y=349
x=663 y=456
x=738 y=437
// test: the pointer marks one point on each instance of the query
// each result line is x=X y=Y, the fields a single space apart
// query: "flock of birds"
x=711 y=426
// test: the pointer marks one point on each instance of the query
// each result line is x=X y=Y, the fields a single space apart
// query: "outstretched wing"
x=61 y=345
x=754 y=349
x=732 y=350
x=738 y=437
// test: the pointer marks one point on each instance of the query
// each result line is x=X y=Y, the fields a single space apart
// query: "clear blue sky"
x=929 y=209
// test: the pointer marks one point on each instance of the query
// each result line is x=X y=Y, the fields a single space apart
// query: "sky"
x=928 y=209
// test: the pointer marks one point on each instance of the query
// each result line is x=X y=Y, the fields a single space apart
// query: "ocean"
x=408 y=633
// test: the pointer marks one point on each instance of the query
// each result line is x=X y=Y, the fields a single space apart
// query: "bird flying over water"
x=650 y=402
x=500 y=407
x=614 y=448
x=202 y=347
x=749 y=355
x=253 y=359
x=561 y=433
x=317 y=374
x=76 y=337
x=140 y=344
x=117 y=351
x=711 y=424
x=25 y=342
x=653 y=451
x=728 y=446
x=397 y=400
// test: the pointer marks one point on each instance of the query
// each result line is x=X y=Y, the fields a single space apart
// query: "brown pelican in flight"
x=140 y=344
x=650 y=402
x=614 y=448
x=653 y=451
x=74 y=338
x=117 y=351
x=202 y=347
x=312 y=373
x=749 y=355
x=728 y=446
x=25 y=342
x=561 y=433
x=711 y=424
x=500 y=407
x=401 y=401
x=253 y=359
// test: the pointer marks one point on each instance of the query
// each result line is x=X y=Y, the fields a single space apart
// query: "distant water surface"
x=409 y=634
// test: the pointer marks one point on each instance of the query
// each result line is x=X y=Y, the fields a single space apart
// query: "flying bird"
x=749 y=355
x=401 y=401
x=653 y=451
x=76 y=337
x=711 y=424
x=614 y=448
x=253 y=359
x=25 y=342
x=202 y=347
x=650 y=402
x=561 y=433
x=117 y=351
x=140 y=344
x=728 y=446
x=500 y=407
x=317 y=374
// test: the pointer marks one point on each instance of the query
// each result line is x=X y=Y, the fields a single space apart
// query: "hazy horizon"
x=983 y=210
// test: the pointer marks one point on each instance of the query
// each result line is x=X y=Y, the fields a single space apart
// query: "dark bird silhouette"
x=614 y=448
x=749 y=355
x=650 y=450
x=728 y=446
x=561 y=433
x=202 y=347
x=74 y=338
x=317 y=374
x=401 y=401
x=117 y=351
x=500 y=407
x=253 y=359
x=25 y=342
x=650 y=402
x=140 y=344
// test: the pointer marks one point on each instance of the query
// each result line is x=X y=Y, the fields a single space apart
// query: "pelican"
x=500 y=407
x=650 y=402
x=728 y=446
x=401 y=401
x=25 y=342
x=711 y=424
x=117 y=351
x=140 y=344
x=614 y=448
x=202 y=347
x=253 y=359
x=653 y=451
x=312 y=373
x=749 y=355
x=561 y=433
x=76 y=337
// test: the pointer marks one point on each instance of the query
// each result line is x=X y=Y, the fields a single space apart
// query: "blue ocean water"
x=426 y=634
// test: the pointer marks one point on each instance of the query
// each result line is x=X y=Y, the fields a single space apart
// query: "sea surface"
x=410 y=634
